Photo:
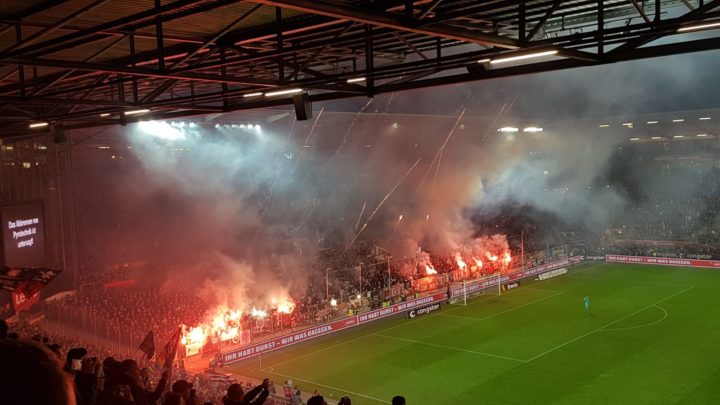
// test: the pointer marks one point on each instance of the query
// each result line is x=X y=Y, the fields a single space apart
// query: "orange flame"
x=429 y=270
x=491 y=256
x=194 y=336
x=258 y=313
x=507 y=258
x=286 y=307
x=478 y=262
x=460 y=262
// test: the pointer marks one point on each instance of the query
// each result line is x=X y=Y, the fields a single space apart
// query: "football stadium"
x=337 y=202
x=642 y=341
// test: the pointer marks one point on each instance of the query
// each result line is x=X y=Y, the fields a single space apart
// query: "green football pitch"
x=652 y=337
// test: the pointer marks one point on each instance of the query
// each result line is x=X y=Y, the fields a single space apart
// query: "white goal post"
x=461 y=291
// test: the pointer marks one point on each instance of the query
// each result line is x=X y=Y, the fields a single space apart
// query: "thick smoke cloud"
x=244 y=213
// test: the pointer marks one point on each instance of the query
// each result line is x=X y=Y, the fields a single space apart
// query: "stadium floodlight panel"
x=256 y=94
x=604 y=125
x=704 y=118
x=678 y=136
x=135 y=112
x=356 y=80
x=701 y=135
x=652 y=122
x=523 y=57
x=282 y=92
x=679 y=120
x=699 y=27
x=39 y=124
x=532 y=129
x=508 y=129
x=634 y=139
x=656 y=137
x=105 y=114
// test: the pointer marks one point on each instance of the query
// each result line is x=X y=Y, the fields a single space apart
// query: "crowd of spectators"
x=139 y=307
x=44 y=369
x=98 y=377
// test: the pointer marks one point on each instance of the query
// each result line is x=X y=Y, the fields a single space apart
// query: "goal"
x=461 y=291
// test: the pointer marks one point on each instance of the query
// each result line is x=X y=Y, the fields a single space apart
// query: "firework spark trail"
x=312 y=130
x=381 y=204
x=291 y=130
x=438 y=156
x=357 y=224
x=264 y=206
x=498 y=115
x=437 y=167
x=347 y=133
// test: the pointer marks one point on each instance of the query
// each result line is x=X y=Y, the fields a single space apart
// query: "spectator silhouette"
x=398 y=400
x=128 y=384
x=32 y=375
x=3 y=329
x=317 y=400
x=256 y=396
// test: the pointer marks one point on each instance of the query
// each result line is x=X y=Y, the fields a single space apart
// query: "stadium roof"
x=80 y=63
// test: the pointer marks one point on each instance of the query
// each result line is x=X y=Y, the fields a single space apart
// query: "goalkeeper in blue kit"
x=586 y=300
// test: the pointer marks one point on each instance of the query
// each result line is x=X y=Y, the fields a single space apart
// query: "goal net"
x=461 y=291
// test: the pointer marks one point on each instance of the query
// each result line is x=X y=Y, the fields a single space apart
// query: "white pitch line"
x=327 y=386
x=643 y=325
x=476 y=300
x=609 y=324
x=503 y=312
x=323 y=349
x=522 y=306
x=449 y=347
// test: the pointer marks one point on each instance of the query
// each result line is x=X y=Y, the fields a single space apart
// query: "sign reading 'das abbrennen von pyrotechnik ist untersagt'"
x=23 y=229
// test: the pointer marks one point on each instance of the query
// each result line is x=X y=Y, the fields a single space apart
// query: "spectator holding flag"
x=128 y=386
x=256 y=396
x=148 y=345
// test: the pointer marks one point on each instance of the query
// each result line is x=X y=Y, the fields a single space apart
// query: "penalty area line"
x=558 y=293
x=609 y=324
x=522 y=306
x=449 y=348
x=344 y=391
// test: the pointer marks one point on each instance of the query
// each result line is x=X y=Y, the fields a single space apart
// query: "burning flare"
x=507 y=258
x=460 y=262
x=491 y=257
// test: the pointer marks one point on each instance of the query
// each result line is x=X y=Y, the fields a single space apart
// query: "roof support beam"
x=40 y=34
x=138 y=20
x=143 y=72
x=69 y=72
x=395 y=22
x=645 y=39
x=544 y=19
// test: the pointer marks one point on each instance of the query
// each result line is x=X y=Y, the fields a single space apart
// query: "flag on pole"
x=148 y=345
x=166 y=357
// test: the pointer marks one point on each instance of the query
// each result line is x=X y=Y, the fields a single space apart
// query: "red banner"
x=663 y=261
x=397 y=308
x=317 y=331
x=22 y=302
